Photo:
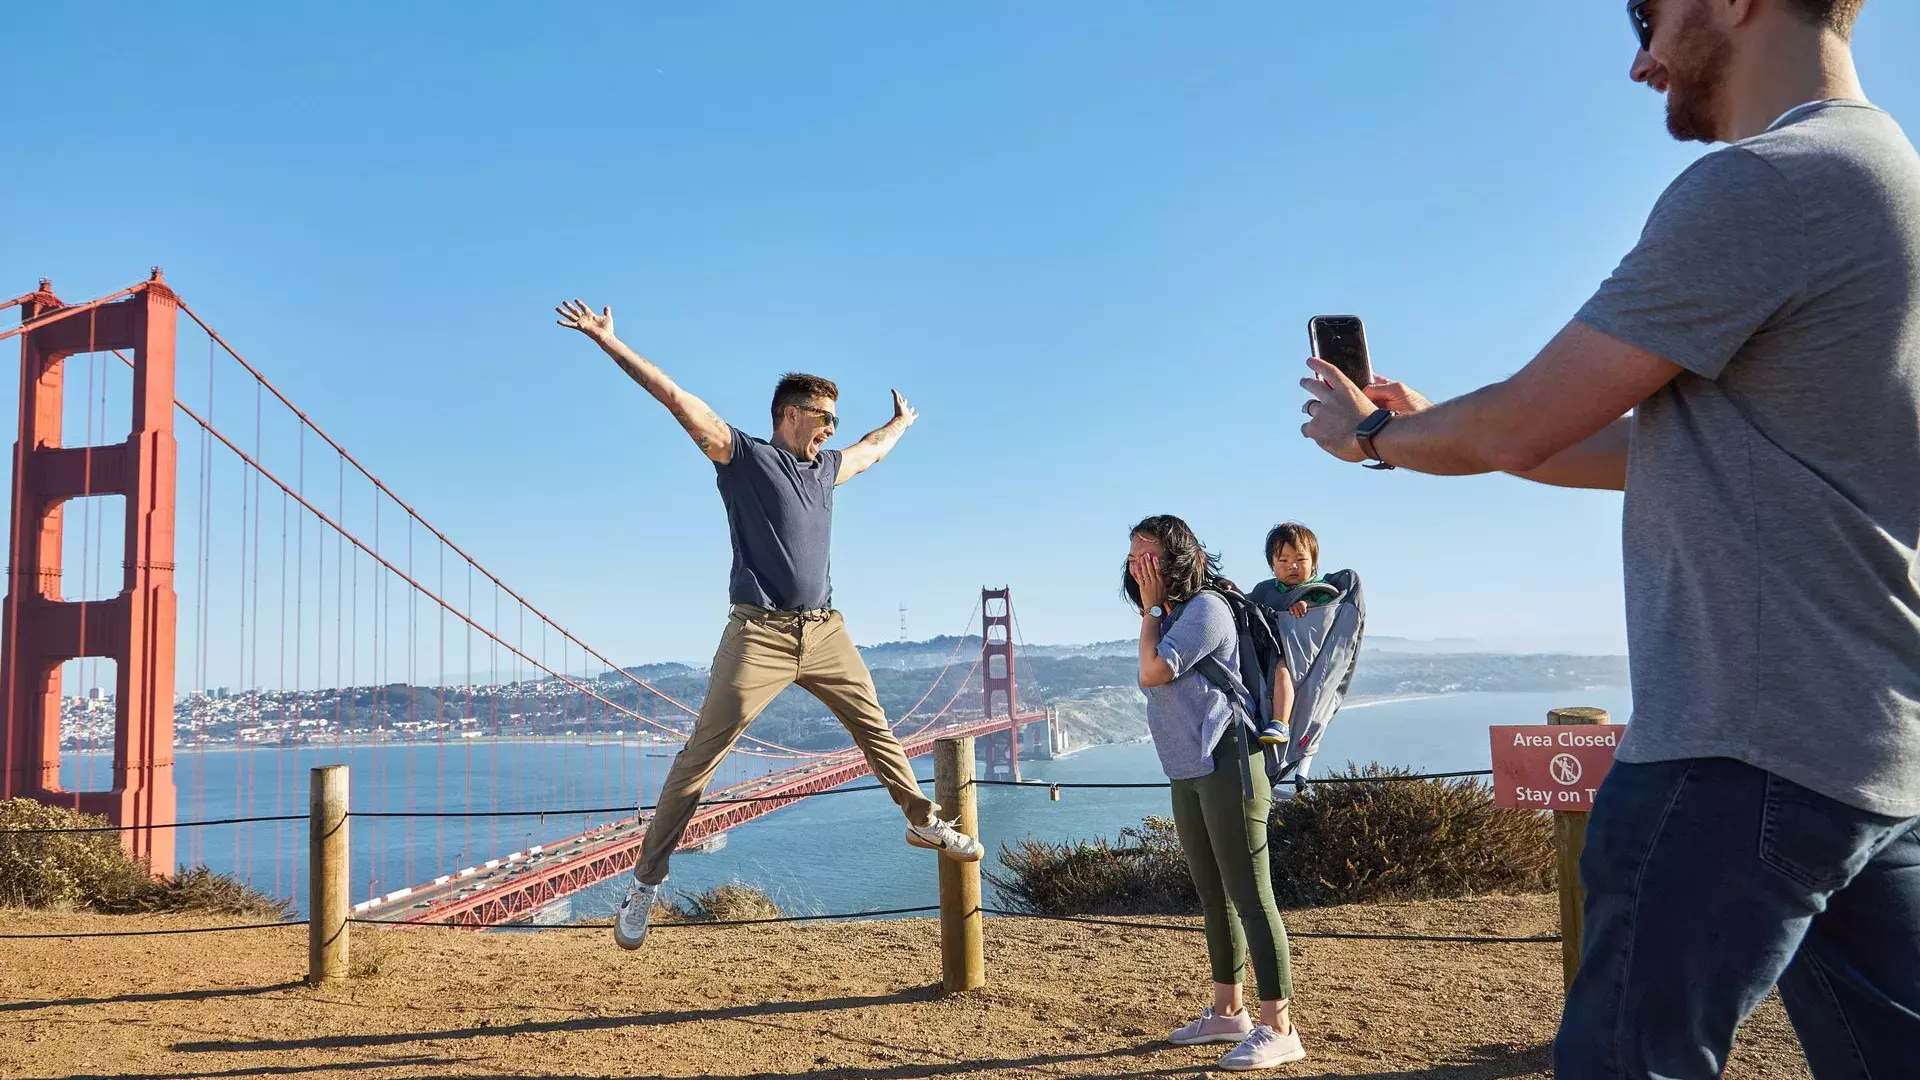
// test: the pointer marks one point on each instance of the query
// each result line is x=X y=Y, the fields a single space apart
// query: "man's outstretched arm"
x=711 y=434
x=877 y=443
x=1560 y=420
x=1598 y=462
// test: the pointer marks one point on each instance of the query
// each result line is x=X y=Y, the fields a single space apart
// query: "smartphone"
x=1341 y=340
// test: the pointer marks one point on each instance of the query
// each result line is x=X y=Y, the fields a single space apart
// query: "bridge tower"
x=996 y=682
x=39 y=630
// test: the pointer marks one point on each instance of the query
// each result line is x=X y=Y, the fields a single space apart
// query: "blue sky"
x=1084 y=238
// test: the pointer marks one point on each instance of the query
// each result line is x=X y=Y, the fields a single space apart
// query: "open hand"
x=577 y=316
x=1334 y=409
x=1153 y=587
x=904 y=411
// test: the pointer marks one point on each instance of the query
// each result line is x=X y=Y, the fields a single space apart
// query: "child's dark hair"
x=1292 y=532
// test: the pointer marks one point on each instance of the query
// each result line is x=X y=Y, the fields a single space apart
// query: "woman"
x=1222 y=830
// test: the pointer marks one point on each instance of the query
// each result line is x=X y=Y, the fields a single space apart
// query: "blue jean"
x=1709 y=881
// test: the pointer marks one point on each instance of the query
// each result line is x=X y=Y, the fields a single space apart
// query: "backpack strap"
x=1227 y=681
x=1229 y=684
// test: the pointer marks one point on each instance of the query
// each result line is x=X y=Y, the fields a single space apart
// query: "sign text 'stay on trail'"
x=1551 y=768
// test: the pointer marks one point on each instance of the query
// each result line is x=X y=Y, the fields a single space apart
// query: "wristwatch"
x=1365 y=433
x=1157 y=611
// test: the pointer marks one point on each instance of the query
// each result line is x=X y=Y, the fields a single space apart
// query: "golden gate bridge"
x=336 y=608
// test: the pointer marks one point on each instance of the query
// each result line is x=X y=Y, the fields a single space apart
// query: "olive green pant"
x=762 y=653
x=1224 y=835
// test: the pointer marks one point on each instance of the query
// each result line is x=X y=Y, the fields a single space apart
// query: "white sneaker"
x=944 y=838
x=630 y=921
x=1264 y=1048
x=1213 y=1028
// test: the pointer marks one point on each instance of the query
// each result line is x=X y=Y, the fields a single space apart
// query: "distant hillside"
x=1094 y=685
x=1384 y=643
x=661 y=671
x=908 y=655
x=912 y=655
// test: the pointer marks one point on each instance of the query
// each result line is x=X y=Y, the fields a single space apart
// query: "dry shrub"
x=1337 y=843
x=197 y=890
x=91 y=871
x=1348 y=843
x=732 y=902
x=1144 y=874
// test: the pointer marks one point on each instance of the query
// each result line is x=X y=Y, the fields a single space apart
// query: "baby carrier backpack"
x=1320 y=650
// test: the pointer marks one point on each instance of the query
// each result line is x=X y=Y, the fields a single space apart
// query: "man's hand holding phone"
x=1404 y=400
x=1334 y=409
x=1345 y=391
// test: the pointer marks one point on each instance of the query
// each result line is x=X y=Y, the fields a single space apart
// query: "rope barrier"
x=563 y=813
x=1045 y=784
x=1398 y=779
x=590 y=811
x=1328 y=934
x=835 y=917
x=1321 y=780
x=597 y=810
x=156 y=933
x=690 y=922
x=144 y=828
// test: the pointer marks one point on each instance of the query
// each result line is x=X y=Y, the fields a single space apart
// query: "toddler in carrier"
x=1293 y=552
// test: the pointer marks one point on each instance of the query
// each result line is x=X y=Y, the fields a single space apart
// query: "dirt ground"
x=778 y=1003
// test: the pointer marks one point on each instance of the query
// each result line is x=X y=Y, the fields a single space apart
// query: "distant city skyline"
x=1084 y=239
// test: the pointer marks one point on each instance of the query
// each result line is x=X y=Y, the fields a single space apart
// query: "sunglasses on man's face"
x=826 y=418
x=1642 y=26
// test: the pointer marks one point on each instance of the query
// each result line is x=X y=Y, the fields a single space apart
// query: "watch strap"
x=1364 y=434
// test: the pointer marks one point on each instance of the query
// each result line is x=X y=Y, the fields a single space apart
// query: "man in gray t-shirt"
x=1762 y=823
x=782 y=629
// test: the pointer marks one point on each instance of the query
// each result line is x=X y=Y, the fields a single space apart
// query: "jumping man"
x=782 y=629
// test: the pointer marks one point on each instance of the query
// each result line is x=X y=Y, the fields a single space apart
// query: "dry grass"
x=787 y=1002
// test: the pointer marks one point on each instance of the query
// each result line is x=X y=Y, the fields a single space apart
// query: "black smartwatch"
x=1364 y=435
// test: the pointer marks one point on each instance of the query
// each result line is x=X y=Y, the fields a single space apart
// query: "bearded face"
x=1698 y=56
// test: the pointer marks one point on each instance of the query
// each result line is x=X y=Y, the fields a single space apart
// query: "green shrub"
x=1336 y=843
x=91 y=871
x=723 y=903
x=61 y=870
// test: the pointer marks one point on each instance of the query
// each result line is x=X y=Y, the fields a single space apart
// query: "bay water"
x=833 y=854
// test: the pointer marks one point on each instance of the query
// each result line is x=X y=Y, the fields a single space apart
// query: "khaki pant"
x=761 y=653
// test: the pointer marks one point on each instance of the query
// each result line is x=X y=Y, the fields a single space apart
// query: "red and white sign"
x=1551 y=767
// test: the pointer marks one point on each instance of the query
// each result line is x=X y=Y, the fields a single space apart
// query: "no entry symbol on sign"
x=1552 y=767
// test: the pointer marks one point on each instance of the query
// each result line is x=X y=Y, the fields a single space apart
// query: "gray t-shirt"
x=1188 y=715
x=780 y=517
x=1773 y=489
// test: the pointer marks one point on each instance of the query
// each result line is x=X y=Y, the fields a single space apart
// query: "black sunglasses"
x=1642 y=26
x=826 y=417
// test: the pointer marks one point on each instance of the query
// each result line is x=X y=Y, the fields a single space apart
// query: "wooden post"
x=962 y=961
x=327 y=900
x=1569 y=839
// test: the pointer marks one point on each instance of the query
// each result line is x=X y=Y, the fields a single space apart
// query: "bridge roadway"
x=512 y=888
